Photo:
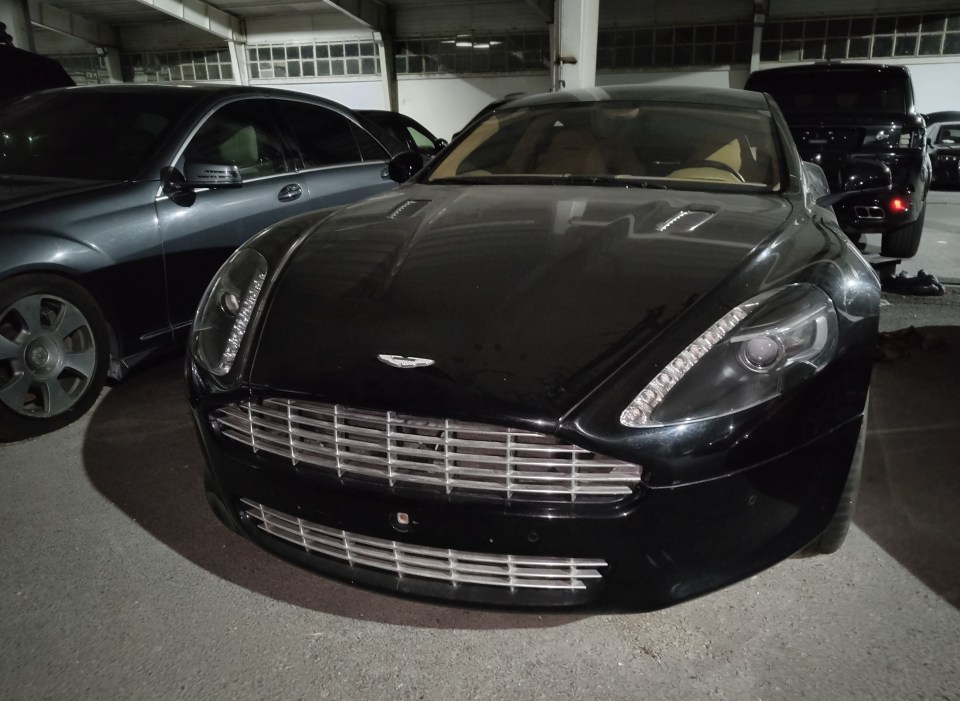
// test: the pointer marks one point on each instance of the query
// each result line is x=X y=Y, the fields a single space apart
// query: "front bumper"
x=946 y=171
x=651 y=550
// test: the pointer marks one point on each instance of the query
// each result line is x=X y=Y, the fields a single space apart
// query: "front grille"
x=438 y=454
x=454 y=566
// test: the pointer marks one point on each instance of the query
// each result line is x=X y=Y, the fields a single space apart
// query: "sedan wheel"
x=53 y=355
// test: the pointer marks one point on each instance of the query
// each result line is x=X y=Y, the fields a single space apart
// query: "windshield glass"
x=75 y=133
x=948 y=134
x=618 y=143
x=851 y=91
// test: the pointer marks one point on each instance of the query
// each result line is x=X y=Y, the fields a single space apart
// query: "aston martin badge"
x=404 y=361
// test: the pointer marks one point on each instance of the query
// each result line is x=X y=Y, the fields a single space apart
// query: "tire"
x=905 y=241
x=836 y=531
x=54 y=353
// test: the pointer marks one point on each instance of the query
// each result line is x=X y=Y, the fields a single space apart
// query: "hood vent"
x=408 y=209
x=684 y=221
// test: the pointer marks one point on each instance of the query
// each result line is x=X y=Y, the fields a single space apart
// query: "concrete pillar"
x=112 y=59
x=238 y=59
x=388 y=70
x=760 y=11
x=576 y=27
x=15 y=14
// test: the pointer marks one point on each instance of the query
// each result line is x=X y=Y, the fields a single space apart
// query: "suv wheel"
x=905 y=241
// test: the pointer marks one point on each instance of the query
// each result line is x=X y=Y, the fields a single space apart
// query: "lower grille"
x=437 y=454
x=454 y=566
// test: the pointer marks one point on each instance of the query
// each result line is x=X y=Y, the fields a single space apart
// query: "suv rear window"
x=836 y=91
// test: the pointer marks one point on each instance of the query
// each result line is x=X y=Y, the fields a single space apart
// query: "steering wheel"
x=719 y=165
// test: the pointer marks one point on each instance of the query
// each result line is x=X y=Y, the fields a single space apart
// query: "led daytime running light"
x=240 y=325
x=637 y=414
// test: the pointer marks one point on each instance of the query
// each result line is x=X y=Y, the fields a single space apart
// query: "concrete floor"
x=119 y=583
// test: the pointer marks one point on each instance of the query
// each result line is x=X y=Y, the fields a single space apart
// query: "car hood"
x=19 y=191
x=524 y=297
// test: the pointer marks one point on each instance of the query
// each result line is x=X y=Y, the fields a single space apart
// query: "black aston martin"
x=610 y=347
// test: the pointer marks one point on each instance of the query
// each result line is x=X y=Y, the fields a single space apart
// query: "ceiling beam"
x=64 y=22
x=544 y=8
x=205 y=16
x=370 y=13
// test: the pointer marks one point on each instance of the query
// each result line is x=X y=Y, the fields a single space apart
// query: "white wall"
x=355 y=94
x=935 y=85
x=716 y=78
x=444 y=105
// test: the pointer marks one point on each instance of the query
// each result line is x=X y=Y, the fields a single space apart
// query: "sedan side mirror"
x=404 y=166
x=858 y=176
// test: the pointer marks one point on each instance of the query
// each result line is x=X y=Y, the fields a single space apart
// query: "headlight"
x=224 y=313
x=753 y=354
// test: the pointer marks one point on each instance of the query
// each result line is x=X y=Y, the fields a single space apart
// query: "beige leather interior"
x=572 y=151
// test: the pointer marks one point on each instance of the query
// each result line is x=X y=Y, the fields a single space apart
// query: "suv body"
x=840 y=113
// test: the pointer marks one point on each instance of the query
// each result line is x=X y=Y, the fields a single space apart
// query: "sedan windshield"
x=949 y=134
x=652 y=144
x=76 y=133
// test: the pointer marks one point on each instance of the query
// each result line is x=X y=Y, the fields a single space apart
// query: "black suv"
x=840 y=113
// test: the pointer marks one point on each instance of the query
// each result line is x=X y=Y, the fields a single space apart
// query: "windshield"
x=652 y=144
x=948 y=134
x=851 y=91
x=75 y=133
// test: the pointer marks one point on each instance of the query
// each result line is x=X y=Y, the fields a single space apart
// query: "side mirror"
x=212 y=175
x=860 y=176
x=404 y=166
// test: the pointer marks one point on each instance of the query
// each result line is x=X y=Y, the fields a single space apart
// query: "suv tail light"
x=912 y=138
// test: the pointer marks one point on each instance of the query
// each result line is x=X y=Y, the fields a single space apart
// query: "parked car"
x=608 y=347
x=413 y=135
x=118 y=204
x=944 y=139
x=842 y=111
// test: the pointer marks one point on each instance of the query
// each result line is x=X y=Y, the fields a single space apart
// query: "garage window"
x=177 y=66
x=886 y=36
x=313 y=60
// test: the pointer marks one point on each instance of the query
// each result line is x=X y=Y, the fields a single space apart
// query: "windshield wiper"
x=613 y=180
x=605 y=180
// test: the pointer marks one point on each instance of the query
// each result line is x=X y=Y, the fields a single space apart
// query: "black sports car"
x=610 y=347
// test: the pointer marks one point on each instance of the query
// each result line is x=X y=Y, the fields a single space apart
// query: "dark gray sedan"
x=117 y=205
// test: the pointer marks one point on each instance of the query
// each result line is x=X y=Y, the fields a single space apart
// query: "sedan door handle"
x=290 y=193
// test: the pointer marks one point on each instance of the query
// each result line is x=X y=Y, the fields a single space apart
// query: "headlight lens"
x=754 y=353
x=224 y=313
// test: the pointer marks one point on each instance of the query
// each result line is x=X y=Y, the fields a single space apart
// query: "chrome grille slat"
x=453 y=566
x=443 y=454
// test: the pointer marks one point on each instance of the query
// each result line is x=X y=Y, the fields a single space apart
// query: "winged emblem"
x=404 y=361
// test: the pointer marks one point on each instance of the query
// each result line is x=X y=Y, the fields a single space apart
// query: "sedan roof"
x=720 y=97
